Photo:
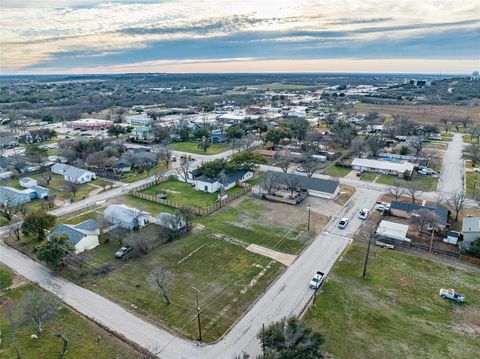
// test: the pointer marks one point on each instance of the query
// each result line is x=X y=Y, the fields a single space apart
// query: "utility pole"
x=263 y=339
x=198 y=314
x=431 y=244
x=366 y=258
x=308 y=224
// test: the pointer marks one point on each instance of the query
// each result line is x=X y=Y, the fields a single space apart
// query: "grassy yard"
x=337 y=171
x=447 y=136
x=386 y=179
x=85 y=339
x=396 y=312
x=469 y=181
x=153 y=208
x=429 y=183
x=135 y=176
x=192 y=147
x=368 y=176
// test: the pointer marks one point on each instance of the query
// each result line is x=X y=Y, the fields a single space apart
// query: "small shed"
x=27 y=182
x=392 y=230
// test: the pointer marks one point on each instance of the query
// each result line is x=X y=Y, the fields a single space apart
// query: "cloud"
x=67 y=33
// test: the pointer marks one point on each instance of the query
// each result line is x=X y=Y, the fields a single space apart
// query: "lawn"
x=470 y=178
x=192 y=147
x=386 y=179
x=429 y=183
x=135 y=176
x=337 y=171
x=153 y=208
x=396 y=312
x=85 y=339
x=447 y=136
x=368 y=176
x=185 y=194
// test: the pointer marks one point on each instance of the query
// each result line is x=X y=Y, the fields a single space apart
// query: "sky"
x=383 y=36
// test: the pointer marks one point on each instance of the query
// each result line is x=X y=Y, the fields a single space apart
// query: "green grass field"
x=469 y=182
x=85 y=339
x=135 y=176
x=369 y=176
x=396 y=312
x=386 y=179
x=192 y=147
x=337 y=171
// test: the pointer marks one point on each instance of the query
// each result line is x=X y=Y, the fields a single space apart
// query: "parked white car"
x=451 y=294
x=343 y=223
x=317 y=280
x=382 y=206
x=363 y=214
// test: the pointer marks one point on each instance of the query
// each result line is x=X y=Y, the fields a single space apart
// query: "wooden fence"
x=198 y=211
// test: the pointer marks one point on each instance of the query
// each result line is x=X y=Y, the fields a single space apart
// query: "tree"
x=16 y=229
x=344 y=133
x=214 y=168
x=116 y=130
x=474 y=249
x=413 y=188
x=310 y=165
x=164 y=155
x=201 y=132
x=446 y=124
x=12 y=315
x=473 y=152
x=246 y=160
x=187 y=215
x=396 y=189
x=160 y=280
x=422 y=217
x=275 y=135
x=47 y=176
x=36 y=224
x=140 y=246
x=290 y=338
x=8 y=209
x=417 y=145
x=36 y=154
x=38 y=307
x=235 y=132
x=55 y=249
x=184 y=168
x=457 y=201
x=204 y=144
x=270 y=182
x=298 y=128
x=375 y=143
x=70 y=187
x=5 y=283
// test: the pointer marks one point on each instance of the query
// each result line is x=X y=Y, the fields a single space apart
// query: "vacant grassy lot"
x=396 y=312
x=337 y=171
x=423 y=113
x=273 y=225
x=85 y=339
x=470 y=182
x=192 y=147
x=229 y=279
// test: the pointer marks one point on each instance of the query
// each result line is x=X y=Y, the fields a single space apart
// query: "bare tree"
x=38 y=307
x=422 y=217
x=160 y=280
x=457 y=201
x=47 y=176
x=64 y=343
x=292 y=183
x=284 y=161
x=184 y=169
x=16 y=229
x=164 y=155
x=187 y=215
x=270 y=182
x=310 y=165
x=417 y=145
x=11 y=313
x=140 y=246
x=396 y=189
x=446 y=124
x=70 y=187
x=414 y=189
x=8 y=208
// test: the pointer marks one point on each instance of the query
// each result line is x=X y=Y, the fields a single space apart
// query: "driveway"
x=453 y=171
x=287 y=296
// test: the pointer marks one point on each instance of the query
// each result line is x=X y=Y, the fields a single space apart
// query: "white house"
x=73 y=174
x=170 y=221
x=27 y=182
x=208 y=184
x=471 y=231
x=82 y=236
x=385 y=167
x=126 y=217
x=392 y=230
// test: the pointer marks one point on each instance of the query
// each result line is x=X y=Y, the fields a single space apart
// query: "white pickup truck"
x=317 y=280
x=451 y=294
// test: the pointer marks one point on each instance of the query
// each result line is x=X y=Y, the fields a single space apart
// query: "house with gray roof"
x=82 y=236
x=405 y=210
x=126 y=217
x=471 y=231
x=12 y=197
x=316 y=187
x=73 y=174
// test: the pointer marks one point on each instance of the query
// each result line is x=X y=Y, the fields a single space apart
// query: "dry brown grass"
x=345 y=193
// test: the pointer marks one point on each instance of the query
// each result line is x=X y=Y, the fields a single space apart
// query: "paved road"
x=287 y=296
x=453 y=172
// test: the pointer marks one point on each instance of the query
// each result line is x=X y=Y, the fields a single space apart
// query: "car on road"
x=452 y=295
x=317 y=280
x=363 y=214
x=122 y=252
x=343 y=223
